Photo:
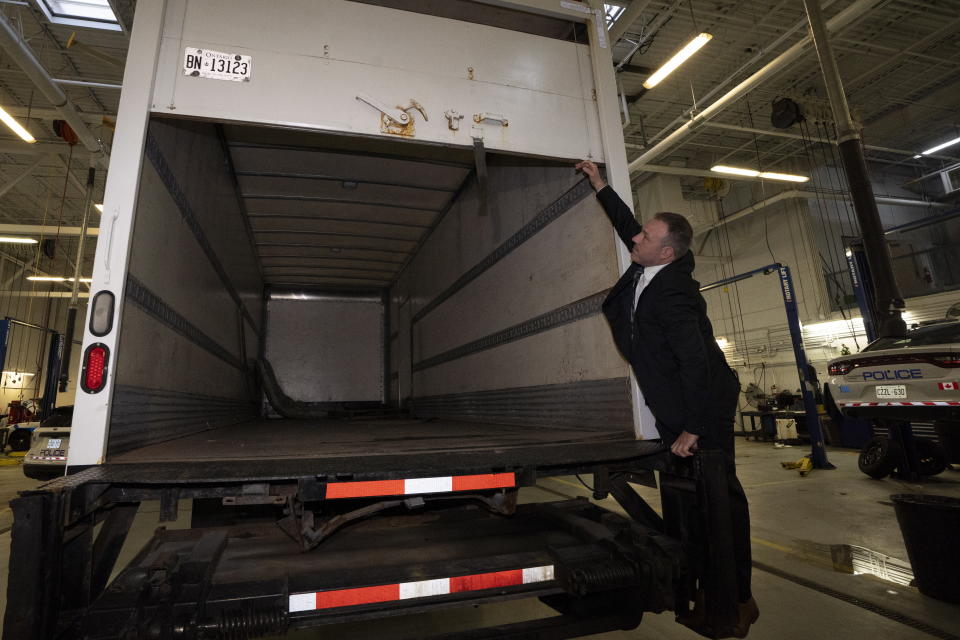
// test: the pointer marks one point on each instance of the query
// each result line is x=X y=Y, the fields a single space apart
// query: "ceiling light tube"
x=948 y=143
x=737 y=171
x=787 y=177
x=98 y=207
x=678 y=59
x=16 y=240
x=56 y=279
x=16 y=127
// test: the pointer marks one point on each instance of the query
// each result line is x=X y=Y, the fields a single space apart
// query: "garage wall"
x=809 y=236
x=27 y=348
x=193 y=295
x=497 y=316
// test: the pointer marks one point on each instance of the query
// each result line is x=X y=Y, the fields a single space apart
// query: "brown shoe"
x=747 y=612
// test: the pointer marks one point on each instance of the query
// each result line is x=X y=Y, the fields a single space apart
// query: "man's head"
x=662 y=240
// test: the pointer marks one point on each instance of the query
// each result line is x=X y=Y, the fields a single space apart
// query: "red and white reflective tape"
x=935 y=403
x=415 y=486
x=49 y=458
x=421 y=589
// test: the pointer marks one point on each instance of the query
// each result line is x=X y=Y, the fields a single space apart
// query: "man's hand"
x=685 y=445
x=593 y=174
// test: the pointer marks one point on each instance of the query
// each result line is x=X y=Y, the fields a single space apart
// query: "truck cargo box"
x=284 y=248
x=365 y=279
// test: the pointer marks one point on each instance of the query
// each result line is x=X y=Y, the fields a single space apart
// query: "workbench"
x=768 y=423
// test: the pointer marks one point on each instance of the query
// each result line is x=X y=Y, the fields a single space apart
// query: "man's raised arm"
x=617 y=210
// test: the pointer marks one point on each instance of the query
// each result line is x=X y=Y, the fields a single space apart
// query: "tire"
x=933 y=457
x=19 y=440
x=879 y=457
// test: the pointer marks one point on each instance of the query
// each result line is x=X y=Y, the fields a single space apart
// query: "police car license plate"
x=53 y=443
x=891 y=391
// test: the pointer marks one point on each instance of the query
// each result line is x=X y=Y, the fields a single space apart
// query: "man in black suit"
x=660 y=325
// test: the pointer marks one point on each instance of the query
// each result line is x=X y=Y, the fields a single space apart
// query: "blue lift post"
x=4 y=336
x=818 y=453
x=862 y=288
x=54 y=360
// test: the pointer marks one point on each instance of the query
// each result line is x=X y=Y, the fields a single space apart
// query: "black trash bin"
x=929 y=525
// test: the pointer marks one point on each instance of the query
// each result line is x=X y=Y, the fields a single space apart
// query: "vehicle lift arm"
x=818 y=452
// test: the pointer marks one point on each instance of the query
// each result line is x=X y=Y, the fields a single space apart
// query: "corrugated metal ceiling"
x=331 y=213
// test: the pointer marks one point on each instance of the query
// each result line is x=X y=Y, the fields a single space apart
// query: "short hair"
x=679 y=232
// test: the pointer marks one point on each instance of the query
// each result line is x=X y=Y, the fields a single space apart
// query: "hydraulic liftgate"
x=365 y=547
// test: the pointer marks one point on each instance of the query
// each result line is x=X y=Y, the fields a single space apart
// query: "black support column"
x=888 y=304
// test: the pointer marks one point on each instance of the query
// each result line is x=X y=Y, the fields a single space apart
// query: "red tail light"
x=947 y=360
x=93 y=377
x=840 y=368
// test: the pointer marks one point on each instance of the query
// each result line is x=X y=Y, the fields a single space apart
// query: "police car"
x=916 y=377
x=47 y=457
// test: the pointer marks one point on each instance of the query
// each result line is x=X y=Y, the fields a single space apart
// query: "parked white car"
x=913 y=378
x=47 y=456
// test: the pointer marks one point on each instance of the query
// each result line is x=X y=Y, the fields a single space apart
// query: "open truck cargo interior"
x=363 y=275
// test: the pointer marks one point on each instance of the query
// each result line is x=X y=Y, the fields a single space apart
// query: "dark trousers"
x=739 y=509
x=724 y=414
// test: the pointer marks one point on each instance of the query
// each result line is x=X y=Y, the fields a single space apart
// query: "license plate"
x=53 y=443
x=888 y=391
x=219 y=65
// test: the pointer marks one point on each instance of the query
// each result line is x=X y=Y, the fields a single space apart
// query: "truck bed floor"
x=278 y=439
x=277 y=448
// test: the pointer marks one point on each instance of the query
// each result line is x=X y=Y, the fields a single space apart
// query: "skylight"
x=613 y=12
x=94 y=14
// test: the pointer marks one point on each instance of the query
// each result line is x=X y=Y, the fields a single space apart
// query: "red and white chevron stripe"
x=420 y=589
x=416 y=486
x=48 y=458
x=933 y=403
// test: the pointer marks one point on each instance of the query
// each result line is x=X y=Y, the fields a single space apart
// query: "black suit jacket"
x=668 y=340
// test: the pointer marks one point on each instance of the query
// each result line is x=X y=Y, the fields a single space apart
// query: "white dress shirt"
x=648 y=423
x=648 y=275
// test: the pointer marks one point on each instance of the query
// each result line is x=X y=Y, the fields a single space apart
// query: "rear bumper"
x=906 y=411
x=44 y=470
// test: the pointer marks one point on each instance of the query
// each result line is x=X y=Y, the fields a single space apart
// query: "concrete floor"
x=795 y=520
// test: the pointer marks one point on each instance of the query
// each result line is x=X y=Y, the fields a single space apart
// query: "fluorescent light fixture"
x=17 y=373
x=722 y=342
x=787 y=177
x=948 y=143
x=753 y=173
x=16 y=127
x=919 y=155
x=737 y=171
x=16 y=240
x=678 y=59
x=56 y=279
x=99 y=207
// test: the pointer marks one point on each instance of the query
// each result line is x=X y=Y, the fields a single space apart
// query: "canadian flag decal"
x=948 y=386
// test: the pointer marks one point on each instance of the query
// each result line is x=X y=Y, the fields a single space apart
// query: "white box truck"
x=346 y=298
